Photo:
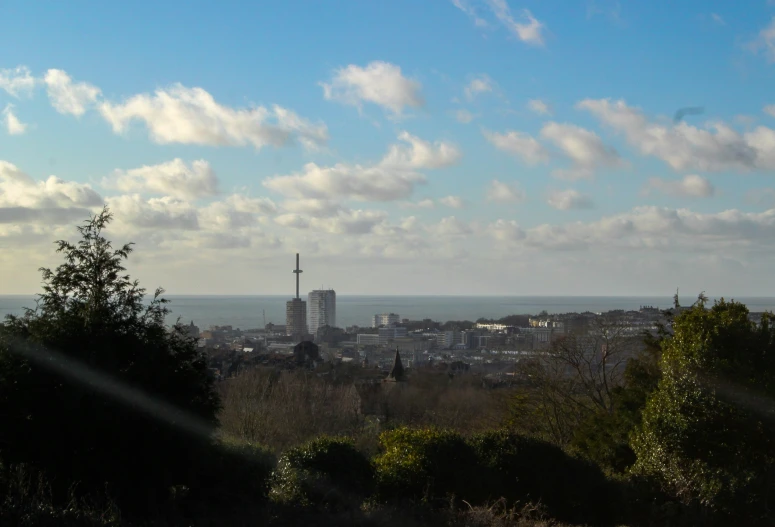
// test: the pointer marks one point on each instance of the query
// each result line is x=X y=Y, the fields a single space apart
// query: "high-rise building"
x=322 y=309
x=296 y=311
x=385 y=319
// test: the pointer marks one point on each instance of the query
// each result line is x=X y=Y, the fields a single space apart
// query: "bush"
x=524 y=469
x=426 y=465
x=326 y=472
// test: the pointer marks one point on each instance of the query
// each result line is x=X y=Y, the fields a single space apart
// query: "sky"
x=445 y=147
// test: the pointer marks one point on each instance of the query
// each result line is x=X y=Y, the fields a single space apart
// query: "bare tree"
x=574 y=378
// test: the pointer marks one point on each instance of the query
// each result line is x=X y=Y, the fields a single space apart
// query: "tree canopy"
x=94 y=387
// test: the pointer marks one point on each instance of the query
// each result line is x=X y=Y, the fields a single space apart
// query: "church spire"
x=397 y=372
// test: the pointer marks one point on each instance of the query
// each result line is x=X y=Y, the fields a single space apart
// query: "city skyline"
x=608 y=149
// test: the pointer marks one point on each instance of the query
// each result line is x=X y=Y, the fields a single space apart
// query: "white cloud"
x=765 y=41
x=465 y=7
x=23 y=199
x=718 y=19
x=520 y=144
x=449 y=227
x=569 y=199
x=506 y=231
x=235 y=212
x=192 y=116
x=12 y=123
x=17 y=81
x=464 y=116
x=690 y=186
x=422 y=204
x=769 y=110
x=156 y=213
x=480 y=84
x=500 y=192
x=349 y=222
x=173 y=178
x=528 y=29
x=657 y=228
x=68 y=97
x=342 y=181
x=313 y=207
x=421 y=154
x=538 y=106
x=455 y=202
x=584 y=148
x=379 y=83
x=393 y=178
x=685 y=147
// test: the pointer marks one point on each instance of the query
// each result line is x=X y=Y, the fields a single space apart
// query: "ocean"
x=247 y=312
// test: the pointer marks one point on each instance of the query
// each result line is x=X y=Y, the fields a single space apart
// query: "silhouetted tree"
x=94 y=388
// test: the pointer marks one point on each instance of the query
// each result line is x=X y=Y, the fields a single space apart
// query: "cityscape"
x=450 y=263
x=490 y=348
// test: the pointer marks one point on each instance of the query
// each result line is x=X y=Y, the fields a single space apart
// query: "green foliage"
x=524 y=469
x=326 y=472
x=95 y=389
x=426 y=465
x=708 y=429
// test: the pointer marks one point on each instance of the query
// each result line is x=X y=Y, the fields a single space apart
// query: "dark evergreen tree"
x=95 y=389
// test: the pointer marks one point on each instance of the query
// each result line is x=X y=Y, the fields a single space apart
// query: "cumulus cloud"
x=393 y=178
x=569 y=199
x=313 y=207
x=422 y=204
x=454 y=202
x=349 y=222
x=173 y=178
x=527 y=28
x=68 y=97
x=583 y=147
x=657 y=228
x=506 y=231
x=380 y=83
x=480 y=84
x=769 y=110
x=12 y=123
x=684 y=147
x=155 y=213
x=538 y=106
x=417 y=153
x=500 y=192
x=449 y=227
x=235 y=212
x=52 y=201
x=17 y=81
x=690 y=186
x=520 y=144
x=192 y=116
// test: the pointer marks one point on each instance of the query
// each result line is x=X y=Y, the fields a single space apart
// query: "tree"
x=94 y=388
x=708 y=429
x=574 y=379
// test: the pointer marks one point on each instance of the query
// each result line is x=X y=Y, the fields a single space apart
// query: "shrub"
x=524 y=469
x=426 y=465
x=326 y=472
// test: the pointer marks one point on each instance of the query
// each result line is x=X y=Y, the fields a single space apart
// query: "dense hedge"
x=326 y=472
x=524 y=469
x=426 y=465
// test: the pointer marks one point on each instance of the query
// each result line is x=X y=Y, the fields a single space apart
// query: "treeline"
x=108 y=417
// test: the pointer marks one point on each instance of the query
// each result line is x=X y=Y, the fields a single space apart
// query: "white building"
x=322 y=309
x=385 y=319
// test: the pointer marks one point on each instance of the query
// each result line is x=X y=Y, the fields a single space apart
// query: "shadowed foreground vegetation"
x=107 y=417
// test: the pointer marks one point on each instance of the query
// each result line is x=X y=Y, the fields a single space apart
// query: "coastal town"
x=491 y=348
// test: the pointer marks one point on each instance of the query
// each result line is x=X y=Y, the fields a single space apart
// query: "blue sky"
x=401 y=147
